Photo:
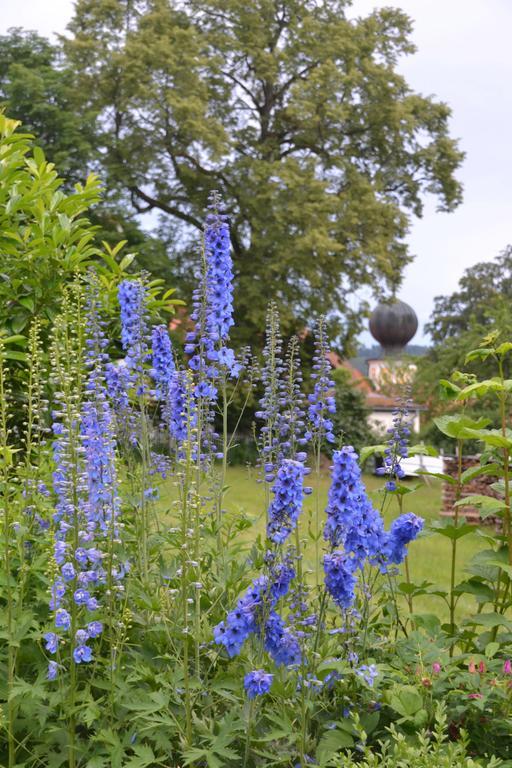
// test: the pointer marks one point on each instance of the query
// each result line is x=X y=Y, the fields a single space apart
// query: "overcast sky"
x=463 y=58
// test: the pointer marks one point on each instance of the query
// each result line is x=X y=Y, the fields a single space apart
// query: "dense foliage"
x=295 y=111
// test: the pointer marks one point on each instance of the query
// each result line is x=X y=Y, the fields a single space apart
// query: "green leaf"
x=126 y=261
x=456 y=425
x=332 y=742
x=503 y=348
x=472 y=472
x=481 y=591
x=479 y=354
x=144 y=756
x=453 y=532
x=406 y=701
x=439 y=475
x=487 y=505
x=420 y=449
x=370 y=450
x=491 y=649
x=489 y=436
x=448 y=390
x=489 y=620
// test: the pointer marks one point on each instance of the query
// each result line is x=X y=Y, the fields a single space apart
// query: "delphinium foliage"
x=147 y=623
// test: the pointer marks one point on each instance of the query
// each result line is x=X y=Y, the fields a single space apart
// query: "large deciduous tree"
x=294 y=111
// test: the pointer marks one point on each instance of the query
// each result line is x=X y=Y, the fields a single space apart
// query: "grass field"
x=429 y=556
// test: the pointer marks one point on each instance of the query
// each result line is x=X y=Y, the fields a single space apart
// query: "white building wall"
x=383 y=420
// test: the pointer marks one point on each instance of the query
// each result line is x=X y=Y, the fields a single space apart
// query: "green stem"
x=247 y=750
x=7 y=566
x=184 y=571
x=406 y=563
x=454 y=544
x=317 y=513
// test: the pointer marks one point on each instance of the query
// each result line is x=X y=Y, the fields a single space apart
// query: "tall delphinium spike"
x=8 y=550
x=85 y=483
x=212 y=360
x=291 y=424
x=219 y=278
x=97 y=425
x=70 y=599
x=134 y=329
x=162 y=361
x=322 y=407
x=286 y=506
x=213 y=304
x=352 y=523
x=133 y=298
x=407 y=526
x=170 y=385
x=355 y=530
x=269 y=404
x=321 y=401
x=396 y=449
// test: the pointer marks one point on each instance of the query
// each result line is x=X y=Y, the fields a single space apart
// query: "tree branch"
x=153 y=202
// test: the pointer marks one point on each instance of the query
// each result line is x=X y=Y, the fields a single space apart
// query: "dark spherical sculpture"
x=393 y=323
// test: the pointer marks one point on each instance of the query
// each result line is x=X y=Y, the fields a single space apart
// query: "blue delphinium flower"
x=340 y=580
x=368 y=673
x=82 y=654
x=403 y=530
x=53 y=668
x=162 y=361
x=257 y=683
x=352 y=523
x=321 y=401
x=351 y=520
x=286 y=506
x=52 y=642
x=117 y=381
x=94 y=629
x=177 y=406
x=213 y=305
x=132 y=302
x=281 y=576
x=254 y=614
x=281 y=642
x=243 y=620
x=62 y=618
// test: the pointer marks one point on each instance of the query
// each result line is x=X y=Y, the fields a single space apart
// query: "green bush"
x=427 y=750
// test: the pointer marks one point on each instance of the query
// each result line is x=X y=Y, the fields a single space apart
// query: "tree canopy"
x=480 y=307
x=294 y=111
x=483 y=289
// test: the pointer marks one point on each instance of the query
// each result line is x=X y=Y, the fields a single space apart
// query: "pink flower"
x=481 y=667
x=436 y=668
x=472 y=666
x=507 y=667
x=475 y=696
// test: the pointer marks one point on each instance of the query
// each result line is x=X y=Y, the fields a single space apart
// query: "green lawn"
x=429 y=556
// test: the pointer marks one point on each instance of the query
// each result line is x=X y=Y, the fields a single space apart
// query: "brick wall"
x=480 y=485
